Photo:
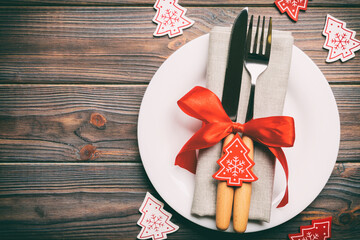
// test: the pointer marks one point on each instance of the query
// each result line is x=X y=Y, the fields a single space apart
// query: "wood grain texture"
x=258 y=3
x=72 y=77
x=101 y=201
x=51 y=123
x=115 y=44
x=347 y=97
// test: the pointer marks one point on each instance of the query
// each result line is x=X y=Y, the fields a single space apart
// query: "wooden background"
x=66 y=67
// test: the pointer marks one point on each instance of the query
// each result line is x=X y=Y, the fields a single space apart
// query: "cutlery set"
x=243 y=49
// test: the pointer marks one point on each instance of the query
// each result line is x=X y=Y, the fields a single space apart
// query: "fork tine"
x=256 y=36
x=249 y=35
x=269 y=38
x=262 y=37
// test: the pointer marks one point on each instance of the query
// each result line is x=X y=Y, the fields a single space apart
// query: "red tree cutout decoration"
x=319 y=230
x=170 y=17
x=340 y=41
x=235 y=164
x=155 y=221
x=291 y=7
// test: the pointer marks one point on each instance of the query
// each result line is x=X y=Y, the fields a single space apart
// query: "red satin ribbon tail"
x=280 y=155
x=285 y=199
x=187 y=160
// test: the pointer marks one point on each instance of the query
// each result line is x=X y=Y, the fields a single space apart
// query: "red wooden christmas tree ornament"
x=319 y=230
x=235 y=164
x=291 y=7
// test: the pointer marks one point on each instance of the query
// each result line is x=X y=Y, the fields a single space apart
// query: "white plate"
x=163 y=129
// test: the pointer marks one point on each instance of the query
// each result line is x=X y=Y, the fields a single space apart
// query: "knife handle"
x=224 y=198
x=242 y=197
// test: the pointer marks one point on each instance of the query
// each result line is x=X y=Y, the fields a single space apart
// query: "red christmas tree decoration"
x=291 y=7
x=319 y=230
x=155 y=221
x=235 y=164
x=340 y=41
x=170 y=17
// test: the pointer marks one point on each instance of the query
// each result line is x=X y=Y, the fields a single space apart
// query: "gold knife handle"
x=224 y=198
x=242 y=197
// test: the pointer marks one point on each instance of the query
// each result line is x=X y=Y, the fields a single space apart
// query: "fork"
x=256 y=62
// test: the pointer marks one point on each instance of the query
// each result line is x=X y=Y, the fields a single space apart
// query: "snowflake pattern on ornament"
x=319 y=230
x=170 y=17
x=340 y=41
x=235 y=164
x=155 y=221
x=291 y=7
x=310 y=236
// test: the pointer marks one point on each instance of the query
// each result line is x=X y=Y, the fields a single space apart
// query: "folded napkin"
x=270 y=94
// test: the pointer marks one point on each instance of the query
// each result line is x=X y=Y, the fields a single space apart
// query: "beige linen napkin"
x=270 y=94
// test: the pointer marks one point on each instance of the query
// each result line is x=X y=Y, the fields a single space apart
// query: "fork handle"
x=242 y=197
x=224 y=198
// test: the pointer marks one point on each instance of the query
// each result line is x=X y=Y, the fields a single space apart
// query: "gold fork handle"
x=224 y=199
x=242 y=197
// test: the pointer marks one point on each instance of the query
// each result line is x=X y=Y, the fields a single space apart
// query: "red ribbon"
x=273 y=132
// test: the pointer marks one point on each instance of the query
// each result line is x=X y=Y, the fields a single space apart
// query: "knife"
x=230 y=102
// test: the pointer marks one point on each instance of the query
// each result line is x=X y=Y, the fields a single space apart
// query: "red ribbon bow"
x=273 y=132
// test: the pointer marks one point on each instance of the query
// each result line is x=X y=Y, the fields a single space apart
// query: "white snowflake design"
x=310 y=236
x=155 y=222
x=294 y=3
x=340 y=41
x=170 y=17
x=235 y=166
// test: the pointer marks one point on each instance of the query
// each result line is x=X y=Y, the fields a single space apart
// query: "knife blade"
x=235 y=63
x=230 y=102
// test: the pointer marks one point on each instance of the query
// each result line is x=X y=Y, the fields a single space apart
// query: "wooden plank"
x=51 y=123
x=67 y=178
x=249 y=3
x=349 y=112
x=101 y=201
x=115 y=44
